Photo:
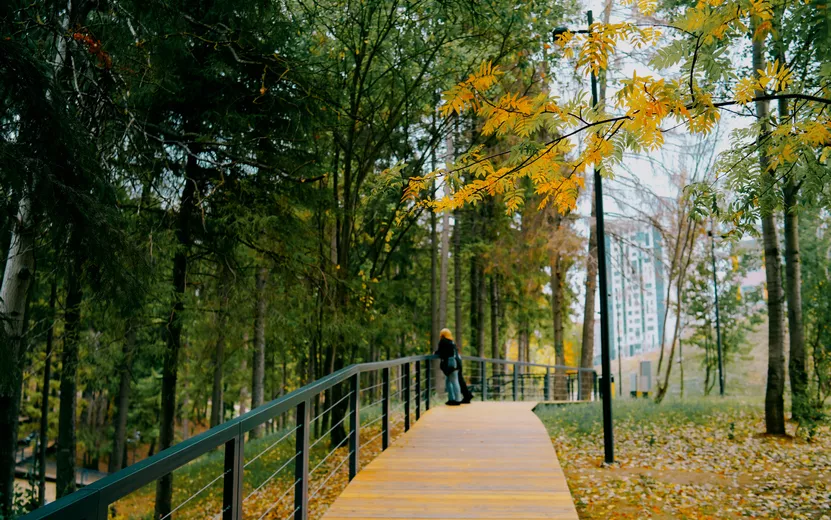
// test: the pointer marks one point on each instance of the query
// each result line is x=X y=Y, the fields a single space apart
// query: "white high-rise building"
x=637 y=287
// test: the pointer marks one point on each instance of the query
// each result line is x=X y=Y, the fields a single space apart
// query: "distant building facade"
x=638 y=290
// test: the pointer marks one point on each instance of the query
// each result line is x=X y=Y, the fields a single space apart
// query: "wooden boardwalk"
x=483 y=460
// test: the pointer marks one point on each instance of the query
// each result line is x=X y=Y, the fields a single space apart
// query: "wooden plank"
x=489 y=460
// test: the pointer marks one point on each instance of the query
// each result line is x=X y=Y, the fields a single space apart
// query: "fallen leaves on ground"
x=670 y=467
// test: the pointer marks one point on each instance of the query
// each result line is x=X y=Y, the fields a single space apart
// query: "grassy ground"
x=690 y=459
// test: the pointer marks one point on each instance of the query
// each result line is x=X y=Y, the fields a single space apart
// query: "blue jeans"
x=451 y=386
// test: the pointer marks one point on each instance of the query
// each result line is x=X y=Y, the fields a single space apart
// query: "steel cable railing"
x=406 y=387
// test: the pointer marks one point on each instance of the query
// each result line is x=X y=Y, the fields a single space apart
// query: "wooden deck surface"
x=483 y=460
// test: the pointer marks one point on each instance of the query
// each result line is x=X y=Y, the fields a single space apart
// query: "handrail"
x=92 y=502
x=523 y=363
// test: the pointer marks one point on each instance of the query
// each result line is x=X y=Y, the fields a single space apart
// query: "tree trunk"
x=185 y=417
x=800 y=402
x=480 y=308
x=243 y=391
x=45 y=391
x=445 y=238
x=557 y=278
x=123 y=400
x=65 y=476
x=522 y=345
x=587 y=338
x=434 y=292
x=445 y=261
x=475 y=346
x=457 y=277
x=217 y=404
x=258 y=362
x=682 y=259
x=775 y=391
x=663 y=388
x=495 y=350
x=17 y=282
x=170 y=368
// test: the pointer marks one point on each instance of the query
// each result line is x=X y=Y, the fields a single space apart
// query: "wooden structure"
x=483 y=460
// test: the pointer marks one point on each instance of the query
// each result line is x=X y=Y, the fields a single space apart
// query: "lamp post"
x=605 y=355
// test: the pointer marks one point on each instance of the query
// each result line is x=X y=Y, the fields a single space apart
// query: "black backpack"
x=451 y=364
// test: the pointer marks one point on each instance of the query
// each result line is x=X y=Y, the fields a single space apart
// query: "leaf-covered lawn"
x=690 y=459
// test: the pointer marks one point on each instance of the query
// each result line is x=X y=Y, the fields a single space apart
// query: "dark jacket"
x=447 y=350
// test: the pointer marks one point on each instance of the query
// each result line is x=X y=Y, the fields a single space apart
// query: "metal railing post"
x=516 y=381
x=547 y=383
x=483 y=372
x=301 y=464
x=418 y=390
x=406 y=368
x=385 y=421
x=428 y=382
x=232 y=481
x=355 y=427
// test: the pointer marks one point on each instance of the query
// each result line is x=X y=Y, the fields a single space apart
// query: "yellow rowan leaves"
x=646 y=7
x=537 y=134
x=746 y=90
x=458 y=98
x=775 y=76
x=815 y=133
x=602 y=40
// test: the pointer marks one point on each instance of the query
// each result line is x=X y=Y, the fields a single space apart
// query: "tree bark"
x=682 y=258
x=45 y=391
x=457 y=277
x=123 y=400
x=480 y=308
x=495 y=350
x=434 y=290
x=66 y=458
x=258 y=362
x=217 y=404
x=557 y=278
x=170 y=368
x=587 y=338
x=775 y=391
x=475 y=346
x=445 y=238
x=243 y=391
x=17 y=282
x=800 y=402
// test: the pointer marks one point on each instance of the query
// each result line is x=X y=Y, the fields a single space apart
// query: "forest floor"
x=691 y=459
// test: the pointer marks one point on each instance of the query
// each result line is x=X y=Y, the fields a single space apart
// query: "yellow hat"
x=446 y=334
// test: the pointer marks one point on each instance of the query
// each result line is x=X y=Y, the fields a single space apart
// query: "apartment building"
x=638 y=289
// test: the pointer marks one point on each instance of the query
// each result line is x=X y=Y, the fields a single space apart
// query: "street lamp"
x=605 y=356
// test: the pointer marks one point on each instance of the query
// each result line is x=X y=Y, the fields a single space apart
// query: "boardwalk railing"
x=356 y=406
x=497 y=379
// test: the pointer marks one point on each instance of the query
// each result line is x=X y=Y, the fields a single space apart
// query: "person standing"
x=450 y=365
